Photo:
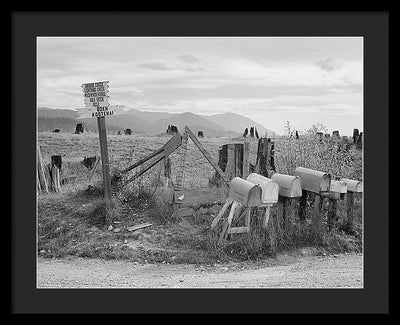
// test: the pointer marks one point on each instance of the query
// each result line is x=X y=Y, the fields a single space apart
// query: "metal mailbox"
x=244 y=192
x=269 y=188
x=313 y=180
x=337 y=190
x=353 y=185
x=289 y=186
x=338 y=187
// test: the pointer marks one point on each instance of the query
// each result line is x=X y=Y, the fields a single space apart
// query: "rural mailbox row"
x=263 y=192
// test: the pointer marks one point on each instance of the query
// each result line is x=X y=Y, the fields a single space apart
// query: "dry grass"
x=76 y=221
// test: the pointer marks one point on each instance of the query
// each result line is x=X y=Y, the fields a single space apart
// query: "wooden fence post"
x=246 y=162
x=165 y=166
x=317 y=228
x=303 y=206
x=272 y=232
x=105 y=164
x=332 y=213
x=350 y=219
x=359 y=141
x=265 y=157
x=230 y=170
x=238 y=159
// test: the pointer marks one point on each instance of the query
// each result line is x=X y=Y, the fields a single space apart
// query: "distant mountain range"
x=227 y=124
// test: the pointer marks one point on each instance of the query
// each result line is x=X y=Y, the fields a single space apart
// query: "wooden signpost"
x=97 y=105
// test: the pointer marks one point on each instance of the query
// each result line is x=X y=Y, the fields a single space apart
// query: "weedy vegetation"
x=77 y=222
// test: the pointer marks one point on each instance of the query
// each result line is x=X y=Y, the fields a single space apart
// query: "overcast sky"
x=270 y=80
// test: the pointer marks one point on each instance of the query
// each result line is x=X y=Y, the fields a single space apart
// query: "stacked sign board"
x=96 y=100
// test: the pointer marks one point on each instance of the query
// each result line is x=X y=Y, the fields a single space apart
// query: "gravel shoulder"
x=285 y=271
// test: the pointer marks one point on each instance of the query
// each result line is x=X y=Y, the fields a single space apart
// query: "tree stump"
x=265 y=163
x=233 y=160
x=355 y=136
x=79 y=128
x=56 y=160
x=55 y=179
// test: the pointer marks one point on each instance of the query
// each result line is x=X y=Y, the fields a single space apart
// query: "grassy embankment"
x=76 y=221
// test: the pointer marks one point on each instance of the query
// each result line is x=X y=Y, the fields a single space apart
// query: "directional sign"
x=96 y=100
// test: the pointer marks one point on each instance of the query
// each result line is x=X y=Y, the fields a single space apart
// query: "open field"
x=124 y=150
x=72 y=223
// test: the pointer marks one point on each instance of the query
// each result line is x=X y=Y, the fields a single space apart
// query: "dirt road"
x=339 y=271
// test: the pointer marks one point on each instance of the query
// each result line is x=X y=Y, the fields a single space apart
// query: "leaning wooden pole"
x=42 y=175
x=206 y=155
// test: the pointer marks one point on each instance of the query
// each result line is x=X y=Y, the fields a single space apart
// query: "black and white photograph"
x=200 y=162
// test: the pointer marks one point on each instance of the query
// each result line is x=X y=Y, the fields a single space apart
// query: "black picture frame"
x=372 y=26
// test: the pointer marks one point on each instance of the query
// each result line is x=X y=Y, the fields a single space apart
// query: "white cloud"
x=270 y=79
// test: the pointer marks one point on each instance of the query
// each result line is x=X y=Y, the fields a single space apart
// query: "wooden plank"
x=238 y=230
x=238 y=159
x=214 y=223
x=145 y=169
x=141 y=226
x=38 y=187
x=42 y=172
x=172 y=144
x=143 y=160
x=206 y=155
x=55 y=179
x=229 y=220
x=230 y=170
